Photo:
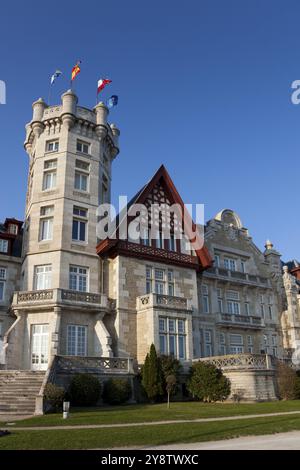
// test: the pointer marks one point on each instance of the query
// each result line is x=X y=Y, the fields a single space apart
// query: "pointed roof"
x=161 y=177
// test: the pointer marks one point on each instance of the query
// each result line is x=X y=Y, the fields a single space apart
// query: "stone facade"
x=240 y=297
x=70 y=294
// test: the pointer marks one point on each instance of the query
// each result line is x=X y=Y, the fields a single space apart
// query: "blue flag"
x=56 y=74
x=112 y=101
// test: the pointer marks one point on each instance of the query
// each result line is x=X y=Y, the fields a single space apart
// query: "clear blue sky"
x=203 y=85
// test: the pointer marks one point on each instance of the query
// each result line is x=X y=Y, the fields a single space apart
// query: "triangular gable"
x=161 y=190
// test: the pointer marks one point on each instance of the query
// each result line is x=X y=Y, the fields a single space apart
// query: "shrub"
x=207 y=383
x=297 y=387
x=286 y=381
x=152 y=376
x=116 y=391
x=54 y=396
x=84 y=390
x=170 y=366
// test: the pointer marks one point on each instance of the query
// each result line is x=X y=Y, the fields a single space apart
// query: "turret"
x=69 y=102
x=272 y=257
x=101 y=120
x=37 y=125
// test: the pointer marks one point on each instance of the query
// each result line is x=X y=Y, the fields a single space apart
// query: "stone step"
x=18 y=391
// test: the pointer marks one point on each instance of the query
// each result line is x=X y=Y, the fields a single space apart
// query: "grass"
x=147 y=435
x=158 y=412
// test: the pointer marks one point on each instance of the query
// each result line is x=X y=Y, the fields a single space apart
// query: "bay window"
x=172 y=337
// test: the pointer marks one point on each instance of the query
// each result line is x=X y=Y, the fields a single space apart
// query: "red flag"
x=75 y=70
x=102 y=84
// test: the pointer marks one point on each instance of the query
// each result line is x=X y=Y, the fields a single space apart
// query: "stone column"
x=102 y=339
x=55 y=332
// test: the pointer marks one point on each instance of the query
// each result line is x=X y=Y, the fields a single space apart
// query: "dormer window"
x=52 y=146
x=13 y=229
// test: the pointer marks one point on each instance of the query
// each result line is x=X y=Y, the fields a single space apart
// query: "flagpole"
x=49 y=94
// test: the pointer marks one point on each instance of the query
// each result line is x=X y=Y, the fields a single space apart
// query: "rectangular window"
x=13 y=228
x=162 y=325
x=262 y=311
x=159 y=240
x=81 y=181
x=160 y=281
x=163 y=344
x=217 y=261
x=77 y=340
x=3 y=246
x=270 y=312
x=230 y=263
x=236 y=344
x=232 y=295
x=172 y=243
x=145 y=239
x=236 y=339
x=247 y=309
x=46 y=223
x=233 y=308
x=205 y=303
x=83 y=147
x=222 y=345
x=205 y=299
x=81 y=175
x=2 y=283
x=79 y=226
x=208 y=343
x=172 y=337
x=43 y=277
x=243 y=266
x=78 y=278
x=52 y=146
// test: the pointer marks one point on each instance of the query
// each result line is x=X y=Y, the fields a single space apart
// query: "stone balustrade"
x=103 y=365
x=241 y=362
x=163 y=301
x=237 y=276
x=249 y=321
x=59 y=296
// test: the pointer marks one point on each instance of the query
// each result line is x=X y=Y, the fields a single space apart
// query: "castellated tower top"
x=90 y=122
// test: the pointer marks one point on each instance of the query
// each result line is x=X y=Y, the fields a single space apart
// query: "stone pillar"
x=102 y=339
x=55 y=332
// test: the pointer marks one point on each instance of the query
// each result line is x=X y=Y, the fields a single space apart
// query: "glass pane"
x=162 y=344
x=172 y=346
x=82 y=231
x=181 y=346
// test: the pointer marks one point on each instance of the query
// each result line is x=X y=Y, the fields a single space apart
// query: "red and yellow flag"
x=75 y=70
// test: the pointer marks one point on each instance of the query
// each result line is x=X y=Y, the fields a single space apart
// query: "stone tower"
x=61 y=306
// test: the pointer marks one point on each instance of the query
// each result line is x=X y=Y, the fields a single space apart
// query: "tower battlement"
x=91 y=123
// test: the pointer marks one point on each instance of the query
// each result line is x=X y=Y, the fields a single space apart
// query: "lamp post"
x=66 y=409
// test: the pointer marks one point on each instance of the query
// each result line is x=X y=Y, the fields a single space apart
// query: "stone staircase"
x=18 y=390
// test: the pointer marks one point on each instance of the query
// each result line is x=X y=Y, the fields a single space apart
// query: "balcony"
x=163 y=301
x=63 y=297
x=240 y=321
x=237 y=277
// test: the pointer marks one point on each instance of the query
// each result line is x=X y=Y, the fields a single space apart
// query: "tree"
x=286 y=381
x=170 y=366
x=171 y=382
x=152 y=377
x=207 y=383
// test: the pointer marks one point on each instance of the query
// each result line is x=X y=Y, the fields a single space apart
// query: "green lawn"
x=158 y=412
x=147 y=435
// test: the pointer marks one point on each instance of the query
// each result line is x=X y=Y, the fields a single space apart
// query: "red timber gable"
x=160 y=191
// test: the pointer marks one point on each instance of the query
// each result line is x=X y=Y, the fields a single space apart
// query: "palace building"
x=73 y=301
